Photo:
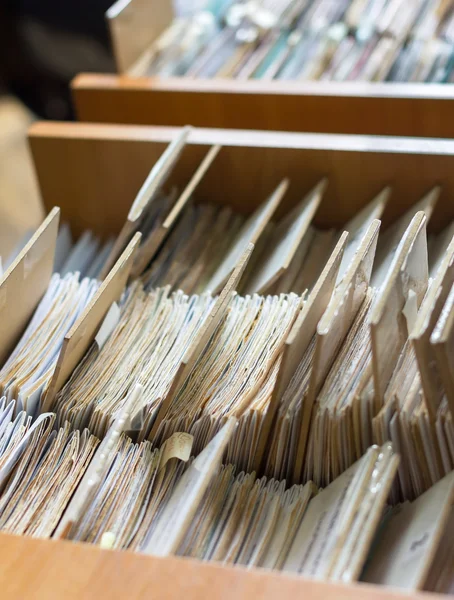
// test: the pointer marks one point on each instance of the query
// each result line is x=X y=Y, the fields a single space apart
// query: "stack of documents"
x=27 y=373
x=194 y=248
x=238 y=519
x=87 y=256
x=234 y=376
x=136 y=486
x=40 y=469
x=258 y=522
x=153 y=334
x=347 y=40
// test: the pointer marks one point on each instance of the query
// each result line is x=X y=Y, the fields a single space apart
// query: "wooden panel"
x=134 y=25
x=362 y=108
x=51 y=570
x=20 y=206
x=94 y=171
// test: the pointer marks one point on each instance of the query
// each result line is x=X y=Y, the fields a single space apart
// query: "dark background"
x=45 y=43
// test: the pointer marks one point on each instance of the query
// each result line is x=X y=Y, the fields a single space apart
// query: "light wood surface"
x=52 y=570
x=95 y=171
x=320 y=107
x=20 y=206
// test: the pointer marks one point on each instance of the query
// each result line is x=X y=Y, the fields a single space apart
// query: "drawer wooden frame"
x=53 y=570
x=94 y=171
x=420 y=110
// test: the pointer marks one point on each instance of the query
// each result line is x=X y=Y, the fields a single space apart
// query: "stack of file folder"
x=347 y=40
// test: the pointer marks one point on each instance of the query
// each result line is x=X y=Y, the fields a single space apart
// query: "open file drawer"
x=93 y=172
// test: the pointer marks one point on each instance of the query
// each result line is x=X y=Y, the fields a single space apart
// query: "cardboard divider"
x=25 y=281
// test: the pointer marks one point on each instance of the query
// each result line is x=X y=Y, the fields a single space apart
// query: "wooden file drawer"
x=362 y=108
x=93 y=172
